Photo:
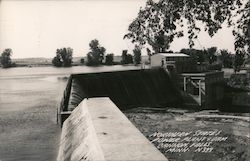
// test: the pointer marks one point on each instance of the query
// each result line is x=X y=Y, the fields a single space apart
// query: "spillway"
x=127 y=89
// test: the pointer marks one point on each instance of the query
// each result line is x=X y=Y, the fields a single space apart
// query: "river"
x=29 y=98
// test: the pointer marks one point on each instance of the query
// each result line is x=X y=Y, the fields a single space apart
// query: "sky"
x=36 y=28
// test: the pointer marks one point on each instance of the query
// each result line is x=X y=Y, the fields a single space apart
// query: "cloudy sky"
x=36 y=28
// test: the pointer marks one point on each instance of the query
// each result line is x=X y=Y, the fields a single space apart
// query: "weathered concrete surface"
x=98 y=130
x=78 y=138
x=118 y=137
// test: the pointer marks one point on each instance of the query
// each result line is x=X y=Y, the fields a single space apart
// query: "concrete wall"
x=98 y=131
x=127 y=89
x=78 y=138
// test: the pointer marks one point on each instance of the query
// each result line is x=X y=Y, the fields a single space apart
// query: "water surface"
x=29 y=98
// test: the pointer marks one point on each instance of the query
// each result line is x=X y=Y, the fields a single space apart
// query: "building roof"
x=173 y=54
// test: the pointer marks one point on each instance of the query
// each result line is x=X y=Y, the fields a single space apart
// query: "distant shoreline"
x=41 y=62
x=47 y=62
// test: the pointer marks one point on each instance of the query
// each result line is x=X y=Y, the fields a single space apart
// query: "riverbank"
x=209 y=135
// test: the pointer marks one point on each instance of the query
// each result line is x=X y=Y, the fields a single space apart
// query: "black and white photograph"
x=124 y=80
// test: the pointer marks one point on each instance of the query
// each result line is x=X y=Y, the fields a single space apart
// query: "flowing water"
x=29 y=98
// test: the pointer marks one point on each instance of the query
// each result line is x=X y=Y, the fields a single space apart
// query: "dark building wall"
x=186 y=66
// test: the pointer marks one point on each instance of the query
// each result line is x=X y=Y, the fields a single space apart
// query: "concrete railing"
x=98 y=131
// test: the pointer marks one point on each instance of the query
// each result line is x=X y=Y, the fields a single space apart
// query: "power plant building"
x=174 y=61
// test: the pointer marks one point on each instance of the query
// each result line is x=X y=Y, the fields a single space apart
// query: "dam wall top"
x=97 y=130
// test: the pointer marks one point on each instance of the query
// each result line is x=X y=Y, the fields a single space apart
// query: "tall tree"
x=238 y=61
x=210 y=54
x=137 y=54
x=96 y=54
x=159 y=23
x=6 y=58
x=126 y=58
x=129 y=59
x=226 y=58
x=56 y=61
x=63 y=57
x=196 y=55
x=109 y=59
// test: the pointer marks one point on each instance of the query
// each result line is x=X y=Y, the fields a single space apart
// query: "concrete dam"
x=127 y=89
x=93 y=126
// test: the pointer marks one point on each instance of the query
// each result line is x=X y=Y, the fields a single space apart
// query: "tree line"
x=96 y=56
x=213 y=56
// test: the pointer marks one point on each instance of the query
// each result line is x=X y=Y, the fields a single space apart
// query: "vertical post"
x=200 y=92
x=185 y=83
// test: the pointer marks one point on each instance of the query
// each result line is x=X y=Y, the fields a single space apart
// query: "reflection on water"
x=55 y=79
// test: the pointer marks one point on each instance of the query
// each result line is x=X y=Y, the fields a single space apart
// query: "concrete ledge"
x=98 y=130
x=78 y=138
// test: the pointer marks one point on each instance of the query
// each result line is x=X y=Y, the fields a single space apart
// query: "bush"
x=239 y=81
